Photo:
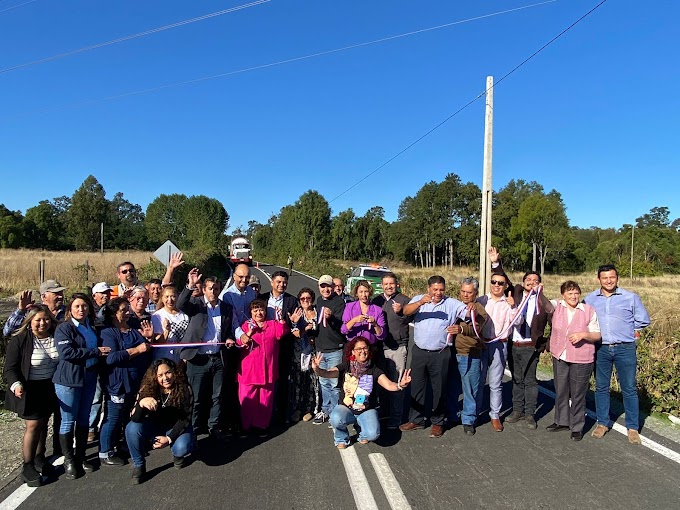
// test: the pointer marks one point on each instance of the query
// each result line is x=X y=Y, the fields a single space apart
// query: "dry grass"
x=19 y=268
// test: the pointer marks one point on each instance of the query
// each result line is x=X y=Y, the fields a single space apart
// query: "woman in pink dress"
x=258 y=371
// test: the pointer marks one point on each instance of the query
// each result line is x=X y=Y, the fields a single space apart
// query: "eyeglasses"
x=126 y=271
x=305 y=299
x=497 y=282
x=241 y=277
x=361 y=349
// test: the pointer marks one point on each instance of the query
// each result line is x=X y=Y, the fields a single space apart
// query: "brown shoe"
x=407 y=427
x=599 y=432
x=634 y=437
x=496 y=424
x=91 y=437
x=436 y=431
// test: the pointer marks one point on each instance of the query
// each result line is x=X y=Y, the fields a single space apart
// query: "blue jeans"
x=624 y=358
x=368 y=421
x=75 y=403
x=117 y=415
x=330 y=393
x=96 y=409
x=140 y=435
x=470 y=370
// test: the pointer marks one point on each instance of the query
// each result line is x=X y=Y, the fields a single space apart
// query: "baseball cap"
x=51 y=286
x=101 y=287
x=254 y=280
x=326 y=280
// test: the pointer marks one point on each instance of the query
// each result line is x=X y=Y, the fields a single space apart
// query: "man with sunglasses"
x=127 y=275
x=500 y=309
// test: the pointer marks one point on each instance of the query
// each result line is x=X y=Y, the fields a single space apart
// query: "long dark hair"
x=180 y=392
x=90 y=307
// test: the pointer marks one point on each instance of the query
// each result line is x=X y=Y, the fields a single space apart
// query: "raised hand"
x=511 y=301
x=397 y=307
x=194 y=277
x=316 y=361
x=25 y=300
x=425 y=299
x=296 y=315
x=494 y=256
x=146 y=329
x=176 y=260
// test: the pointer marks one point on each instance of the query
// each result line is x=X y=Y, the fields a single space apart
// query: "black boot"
x=70 y=464
x=30 y=475
x=138 y=474
x=81 y=446
x=41 y=464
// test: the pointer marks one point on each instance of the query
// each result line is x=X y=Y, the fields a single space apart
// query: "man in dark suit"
x=281 y=305
x=210 y=322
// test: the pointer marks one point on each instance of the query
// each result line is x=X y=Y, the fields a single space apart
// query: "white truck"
x=239 y=252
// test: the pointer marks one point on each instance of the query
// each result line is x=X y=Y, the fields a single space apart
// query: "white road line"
x=363 y=497
x=652 y=445
x=22 y=492
x=265 y=274
x=389 y=483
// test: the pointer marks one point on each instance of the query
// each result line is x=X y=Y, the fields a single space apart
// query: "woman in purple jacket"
x=362 y=318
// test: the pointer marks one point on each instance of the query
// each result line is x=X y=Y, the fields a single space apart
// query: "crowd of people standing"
x=160 y=364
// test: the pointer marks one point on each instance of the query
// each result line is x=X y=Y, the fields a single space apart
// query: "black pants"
x=523 y=362
x=571 y=382
x=205 y=374
x=429 y=368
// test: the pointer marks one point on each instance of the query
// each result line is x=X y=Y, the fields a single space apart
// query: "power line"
x=277 y=63
x=129 y=37
x=432 y=130
x=17 y=6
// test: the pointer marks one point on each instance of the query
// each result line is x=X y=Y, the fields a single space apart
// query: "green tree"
x=206 y=221
x=11 y=228
x=165 y=220
x=125 y=225
x=86 y=214
x=44 y=228
x=342 y=233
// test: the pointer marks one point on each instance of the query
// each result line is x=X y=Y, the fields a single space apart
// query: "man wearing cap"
x=127 y=275
x=330 y=342
x=254 y=283
x=101 y=294
x=51 y=294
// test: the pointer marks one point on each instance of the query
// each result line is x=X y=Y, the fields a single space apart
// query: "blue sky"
x=592 y=116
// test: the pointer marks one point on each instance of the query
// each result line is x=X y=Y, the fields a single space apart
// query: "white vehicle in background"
x=239 y=252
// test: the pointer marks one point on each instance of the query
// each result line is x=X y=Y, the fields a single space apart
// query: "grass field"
x=19 y=268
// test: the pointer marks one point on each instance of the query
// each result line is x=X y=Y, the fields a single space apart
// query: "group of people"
x=158 y=364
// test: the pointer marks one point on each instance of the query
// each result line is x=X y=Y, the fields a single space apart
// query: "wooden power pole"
x=487 y=193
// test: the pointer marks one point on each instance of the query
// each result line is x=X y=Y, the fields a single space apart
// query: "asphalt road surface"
x=299 y=468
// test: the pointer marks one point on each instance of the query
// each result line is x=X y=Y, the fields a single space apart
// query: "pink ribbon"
x=324 y=319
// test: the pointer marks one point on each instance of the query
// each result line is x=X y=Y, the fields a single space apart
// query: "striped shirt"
x=43 y=360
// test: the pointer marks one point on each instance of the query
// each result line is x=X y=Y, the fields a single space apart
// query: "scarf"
x=358 y=368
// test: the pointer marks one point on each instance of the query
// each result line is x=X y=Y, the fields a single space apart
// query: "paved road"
x=299 y=468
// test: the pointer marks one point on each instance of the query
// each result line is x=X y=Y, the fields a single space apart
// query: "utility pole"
x=632 y=244
x=101 y=238
x=487 y=193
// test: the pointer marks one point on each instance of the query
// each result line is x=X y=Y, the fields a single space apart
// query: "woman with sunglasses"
x=359 y=379
x=30 y=362
x=305 y=384
x=75 y=380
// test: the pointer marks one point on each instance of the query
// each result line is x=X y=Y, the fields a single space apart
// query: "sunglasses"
x=126 y=271
x=305 y=299
x=497 y=282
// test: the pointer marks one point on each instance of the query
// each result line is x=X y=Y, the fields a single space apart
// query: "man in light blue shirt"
x=621 y=315
x=239 y=295
x=434 y=320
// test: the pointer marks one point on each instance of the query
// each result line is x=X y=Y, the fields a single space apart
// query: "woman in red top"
x=259 y=369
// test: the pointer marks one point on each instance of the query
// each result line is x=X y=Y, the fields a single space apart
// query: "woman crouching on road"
x=359 y=378
x=29 y=366
x=161 y=416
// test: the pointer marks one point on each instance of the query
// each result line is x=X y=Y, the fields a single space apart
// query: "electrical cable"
x=482 y=94
x=129 y=37
x=17 y=6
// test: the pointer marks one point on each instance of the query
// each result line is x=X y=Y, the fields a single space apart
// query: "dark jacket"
x=467 y=342
x=329 y=337
x=122 y=375
x=290 y=303
x=197 y=310
x=397 y=323
x=17 y=367
x=73 y=354
x=539 y=321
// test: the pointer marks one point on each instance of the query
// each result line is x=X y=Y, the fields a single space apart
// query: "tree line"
x=438 y=225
